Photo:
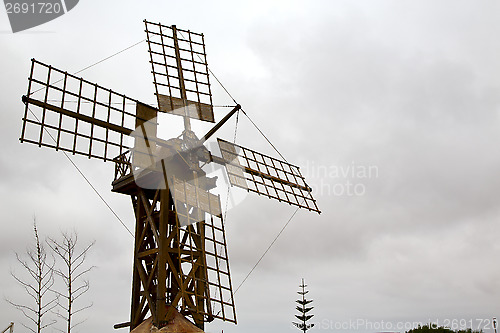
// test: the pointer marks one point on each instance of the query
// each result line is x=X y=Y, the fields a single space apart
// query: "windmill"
x=180 y=254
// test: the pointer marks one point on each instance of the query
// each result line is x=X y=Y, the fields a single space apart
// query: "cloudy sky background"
x=406 y=88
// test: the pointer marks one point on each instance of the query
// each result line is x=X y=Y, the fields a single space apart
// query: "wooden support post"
x=135 y=309
x=161 y=294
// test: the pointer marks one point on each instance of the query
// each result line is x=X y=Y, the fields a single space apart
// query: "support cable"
x=263 y=255
x=221 y=84
x=265 y=137
x=111 y=56
x=96 y=63
x=267 y=250
x=231 y=96
x=86 y=179
x=210 y=71
x=229 y=185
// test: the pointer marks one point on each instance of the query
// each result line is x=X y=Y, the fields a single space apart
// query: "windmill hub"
x=191 y=141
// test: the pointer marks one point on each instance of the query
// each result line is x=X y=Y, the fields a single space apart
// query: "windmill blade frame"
x=180 y=71
x=265 y=175
x=77 y=116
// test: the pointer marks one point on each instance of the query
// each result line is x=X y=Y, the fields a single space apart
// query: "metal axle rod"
x=220 y=123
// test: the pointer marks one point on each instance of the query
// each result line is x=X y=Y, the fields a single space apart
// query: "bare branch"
x=49 y=324
x=80 y=322
x=20 y=306
x=71 y=272
x=84 y=308
x=32 y=330
x=84 y=272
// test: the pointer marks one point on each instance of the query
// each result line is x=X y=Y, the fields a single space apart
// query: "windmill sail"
x=71 y=114
x=188 y=196
x=180 y=71
x=145 y=150
x=265 y=175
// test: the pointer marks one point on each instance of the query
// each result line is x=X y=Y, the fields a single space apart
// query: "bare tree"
x=40 y=269
x=72 y=274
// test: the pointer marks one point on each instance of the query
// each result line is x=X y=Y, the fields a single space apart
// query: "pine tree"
x=303 y=310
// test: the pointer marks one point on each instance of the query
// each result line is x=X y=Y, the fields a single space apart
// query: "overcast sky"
x=390 y=108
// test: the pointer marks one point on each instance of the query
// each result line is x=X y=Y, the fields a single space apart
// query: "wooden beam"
x=78 y=116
